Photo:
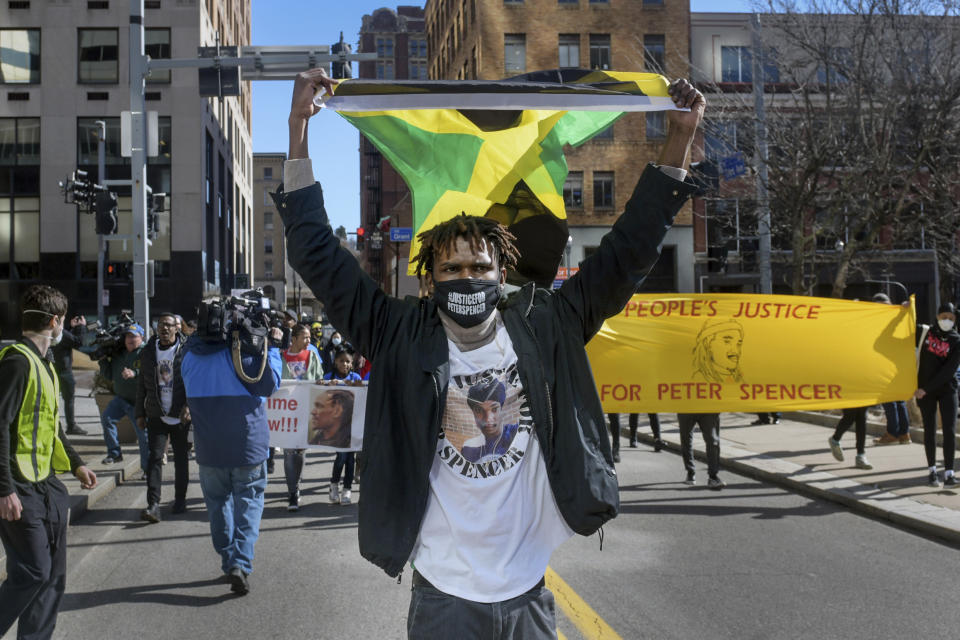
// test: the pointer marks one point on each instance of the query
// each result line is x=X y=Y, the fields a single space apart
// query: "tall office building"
x=63 y=67
x=467 y=39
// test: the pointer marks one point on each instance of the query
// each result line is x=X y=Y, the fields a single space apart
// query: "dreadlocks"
x=473 y=229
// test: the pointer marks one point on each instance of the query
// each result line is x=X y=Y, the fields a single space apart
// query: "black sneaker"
x=933 y=480
x=715 y=483
x=270 y=466
x=179 y=506
x=293 y=501
x=151 y=514
x=76 y=430
x=691 y=478
x=951 y=481
x=238 y=582
x=658 y=445
x=112 y=459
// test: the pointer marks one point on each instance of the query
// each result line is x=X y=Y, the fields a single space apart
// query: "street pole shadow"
x=155 y=594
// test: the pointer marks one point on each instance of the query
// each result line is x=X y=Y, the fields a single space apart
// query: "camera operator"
x=226 y=398
x=63 y=362
x=123 y=369
x=160 y=400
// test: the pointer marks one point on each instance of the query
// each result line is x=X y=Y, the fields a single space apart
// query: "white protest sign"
x=307 y=415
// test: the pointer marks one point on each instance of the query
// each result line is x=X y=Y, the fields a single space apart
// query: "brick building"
x=467 y=39
x=397 y=37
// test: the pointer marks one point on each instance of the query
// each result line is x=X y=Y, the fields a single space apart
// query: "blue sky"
x=333 y=142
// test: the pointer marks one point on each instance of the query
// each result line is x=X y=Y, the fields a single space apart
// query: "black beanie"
x=946 y=307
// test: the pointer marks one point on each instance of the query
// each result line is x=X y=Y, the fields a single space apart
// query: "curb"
x=929 y=519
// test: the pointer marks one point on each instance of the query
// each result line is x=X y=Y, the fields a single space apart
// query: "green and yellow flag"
x=495 y=148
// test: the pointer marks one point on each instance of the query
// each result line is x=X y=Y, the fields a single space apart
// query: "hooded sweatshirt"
x=939 y=359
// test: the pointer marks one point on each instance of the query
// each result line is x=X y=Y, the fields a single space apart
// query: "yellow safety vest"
x=38 y=449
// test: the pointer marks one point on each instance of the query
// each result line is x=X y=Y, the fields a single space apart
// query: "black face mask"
x=468 y=301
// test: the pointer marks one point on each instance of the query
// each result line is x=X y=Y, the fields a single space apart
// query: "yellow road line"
x=583 y=617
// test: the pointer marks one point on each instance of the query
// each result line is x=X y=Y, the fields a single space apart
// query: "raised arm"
x=630 y=249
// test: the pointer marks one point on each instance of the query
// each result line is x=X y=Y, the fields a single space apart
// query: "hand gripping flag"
x=494 y=148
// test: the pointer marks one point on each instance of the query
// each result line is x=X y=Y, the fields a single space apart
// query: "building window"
x=569 y=48
x=268 y=244
x=514 y=52
x=19 y=198
x=97 y=56
x=573 y=190
x=654 y=52
x=418 y=48
x=156 y=44
x=568 y=1
x=512 y=1
x=19 y=56
x=653 y=2
x=385 y=70
x=736 y=64
x=418 y=69
x=599 y=50
x=268 y=220
x=384 y=47
x=268 y=173
x=606 y=134
x=603 y=189
x=656 y=125
x=267 y=269
x=267 y=200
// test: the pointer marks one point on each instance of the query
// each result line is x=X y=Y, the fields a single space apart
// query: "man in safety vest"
x=33 y=449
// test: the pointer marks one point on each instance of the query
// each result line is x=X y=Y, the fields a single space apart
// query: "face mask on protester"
x=336 y=342
x=54 y=339
x=468 y=301
x=945 y=324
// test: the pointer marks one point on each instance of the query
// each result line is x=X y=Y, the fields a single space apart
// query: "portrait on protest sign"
x=331 y=417
x=716 y=355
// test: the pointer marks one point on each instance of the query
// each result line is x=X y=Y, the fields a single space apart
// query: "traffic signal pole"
x=101 y=241
x=138 y=165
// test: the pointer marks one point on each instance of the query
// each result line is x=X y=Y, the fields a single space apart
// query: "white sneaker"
x=862 y=462
x=345 y=497
x=334 y=494
x=835 y=448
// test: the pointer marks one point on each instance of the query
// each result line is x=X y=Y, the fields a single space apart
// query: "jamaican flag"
x=495 y=148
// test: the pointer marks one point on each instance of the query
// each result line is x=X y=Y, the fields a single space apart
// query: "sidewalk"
x=795 y=454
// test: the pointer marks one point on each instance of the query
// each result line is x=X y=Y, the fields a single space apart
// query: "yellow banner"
x=694 y=353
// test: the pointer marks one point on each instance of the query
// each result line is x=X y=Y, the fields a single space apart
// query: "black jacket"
x=939 y=359
x=148 y=404
x=407 y=343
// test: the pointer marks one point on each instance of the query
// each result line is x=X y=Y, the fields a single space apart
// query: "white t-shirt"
x=491 y=522
x=165 y=380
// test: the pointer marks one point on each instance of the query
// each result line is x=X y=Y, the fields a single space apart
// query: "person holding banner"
x=299 y=363
x=339 y=434
x=937 y=387
x=710 y=430
x=614 y=420
x=479 y=535
x=858 y=416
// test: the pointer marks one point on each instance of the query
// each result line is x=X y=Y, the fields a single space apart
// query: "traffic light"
x=106 y=210
x=361 y=232
x=117 y=271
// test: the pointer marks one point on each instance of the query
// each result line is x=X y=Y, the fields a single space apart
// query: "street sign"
x=376 y=240
x=733 y=166
x=401 y=234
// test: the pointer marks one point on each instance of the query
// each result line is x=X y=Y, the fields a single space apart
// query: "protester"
x=478 y=542
x=123 y=369
x=160 y=401
x=858 y=416
x=316 y=336
x=898 y=420
x=937 y=387
x=34 y=505
x=63 y=361
x=342 y=373
x=334 y=344
x=710 y=430
x=231 y=436
x=189 y=327
x=299 y=363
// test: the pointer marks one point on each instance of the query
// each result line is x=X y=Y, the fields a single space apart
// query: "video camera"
x=245 y=323
x=105 y=343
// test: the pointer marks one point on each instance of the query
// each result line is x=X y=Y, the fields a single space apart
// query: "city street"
x=752 y=561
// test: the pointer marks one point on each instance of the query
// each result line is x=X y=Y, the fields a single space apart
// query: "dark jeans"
x=856 y=415
x=347 y=458
x=710 y=429
x=898 y=421
x=614 y=420
x=36 y=548
x=68 y=387
x=293 y=468
x=434 y=614
x=948 y=416
x=157 y=432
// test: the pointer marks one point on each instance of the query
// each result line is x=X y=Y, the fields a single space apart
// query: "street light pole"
x=101 y=241
x=138 y=164
x=760 y=151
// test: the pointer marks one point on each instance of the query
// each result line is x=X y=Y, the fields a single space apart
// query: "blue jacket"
x=229 y=416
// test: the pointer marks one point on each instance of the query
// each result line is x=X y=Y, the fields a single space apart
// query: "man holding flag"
x=479 y=535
